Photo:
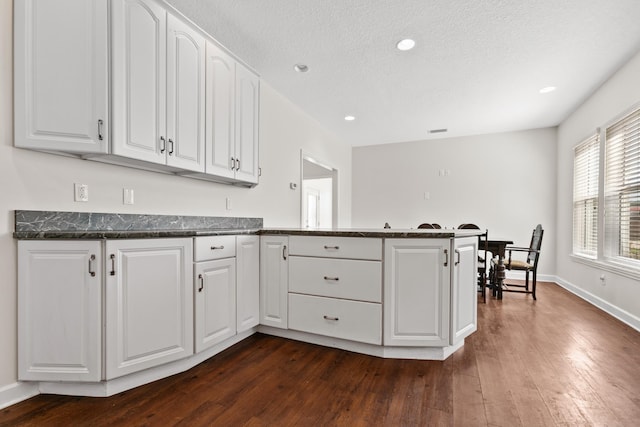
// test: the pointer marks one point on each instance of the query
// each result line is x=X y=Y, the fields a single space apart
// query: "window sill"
x=623 y=270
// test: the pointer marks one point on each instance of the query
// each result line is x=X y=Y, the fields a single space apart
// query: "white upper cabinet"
x=139 y=80
x=185 y=96
x=158 y=86
x=61 y=75
x=132 y=82
x=247 y=124
x=220 y=112
x=232 y=117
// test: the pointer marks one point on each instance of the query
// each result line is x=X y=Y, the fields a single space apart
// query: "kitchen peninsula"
x=108 y=302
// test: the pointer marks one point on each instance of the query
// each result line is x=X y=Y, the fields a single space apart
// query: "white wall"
x=620 y=295
x=40 y=181
x=503 y=182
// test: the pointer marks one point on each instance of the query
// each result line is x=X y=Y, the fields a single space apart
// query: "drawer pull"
x=331 y=247
x=334 y=319
x=213 y=248
x=335 y=279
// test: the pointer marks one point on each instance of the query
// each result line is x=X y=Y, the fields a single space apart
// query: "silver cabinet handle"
x=213 y=248
x=335 y=279
x=170 y=146
x=334 y=319
x=284 y=252
x=201 y=282
x=92 y=272
x=237 y=164
x=100 y=123
x=113 y=265
x=446 y=257
x=457 y=257
x=233 y=163
x=331 y=247
x=164 y=144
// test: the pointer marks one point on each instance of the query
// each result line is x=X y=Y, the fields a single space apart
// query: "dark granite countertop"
x=37 y=225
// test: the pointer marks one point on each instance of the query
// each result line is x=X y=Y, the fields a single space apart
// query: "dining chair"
x=426 y=225
x=530 y=264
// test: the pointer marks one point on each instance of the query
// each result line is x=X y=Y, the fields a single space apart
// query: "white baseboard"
x=17 y=392
x=607 y=307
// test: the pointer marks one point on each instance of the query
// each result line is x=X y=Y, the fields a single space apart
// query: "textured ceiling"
x=476 y=68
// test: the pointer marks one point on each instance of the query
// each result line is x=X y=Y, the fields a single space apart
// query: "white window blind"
x=586 y=163
x=622 y=188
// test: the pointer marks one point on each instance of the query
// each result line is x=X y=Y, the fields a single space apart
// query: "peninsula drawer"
x=214 y=247
x=339 y=278
x=338 y=318
x=336 y=247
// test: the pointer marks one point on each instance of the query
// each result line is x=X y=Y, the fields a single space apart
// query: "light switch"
x=228 y=203
x=127 y=196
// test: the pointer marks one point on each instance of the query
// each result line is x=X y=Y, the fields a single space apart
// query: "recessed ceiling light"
x=301 y=68
x=547 y=89
x=349 y=118
x=406 y=44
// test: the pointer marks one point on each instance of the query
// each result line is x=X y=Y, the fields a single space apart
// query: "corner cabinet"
x=59 y=310
x=61 y=75
x=148 y=303
x=247 y=282
x=232 y=117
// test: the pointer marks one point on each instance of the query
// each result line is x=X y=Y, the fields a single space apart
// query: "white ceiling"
x=476 y=68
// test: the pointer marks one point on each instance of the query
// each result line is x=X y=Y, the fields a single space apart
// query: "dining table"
x=497 y=247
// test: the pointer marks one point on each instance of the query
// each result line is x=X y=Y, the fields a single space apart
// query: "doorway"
x=318 y=195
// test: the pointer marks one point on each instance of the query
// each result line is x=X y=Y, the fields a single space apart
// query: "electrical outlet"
x=81 y=192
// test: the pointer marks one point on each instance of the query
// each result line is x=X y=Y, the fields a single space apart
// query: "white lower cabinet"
x=59 y=310
x=148 y=303
x=215 y=298
x=338 y=318
x=227 y=287
x=464 y=293
x=274 y=281
x=247 y=282
x=417 y=292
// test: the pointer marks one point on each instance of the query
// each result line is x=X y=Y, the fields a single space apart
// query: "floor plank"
x=557 y=361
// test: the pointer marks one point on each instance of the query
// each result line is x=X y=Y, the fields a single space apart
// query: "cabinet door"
x=247 y=124
x=185 y=96
x=273 y=280
x=61 y=75
x=464 y=285
x=416 y=292
x=59 y=311
x=149 y=303
x=215 y=297
x=248 y=282
x=220 y=112
x=139 y=80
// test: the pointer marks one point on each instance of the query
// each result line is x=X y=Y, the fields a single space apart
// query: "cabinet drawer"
x=214 y=247
x=336 y=247
x=338 y=278
x=350 y=320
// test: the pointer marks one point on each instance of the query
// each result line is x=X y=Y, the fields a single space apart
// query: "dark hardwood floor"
x=557 y=361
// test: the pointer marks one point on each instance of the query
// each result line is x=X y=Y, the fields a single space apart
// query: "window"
x=586 y=165
x=622 y=190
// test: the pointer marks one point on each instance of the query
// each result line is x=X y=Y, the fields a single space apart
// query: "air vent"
x=437 y=130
